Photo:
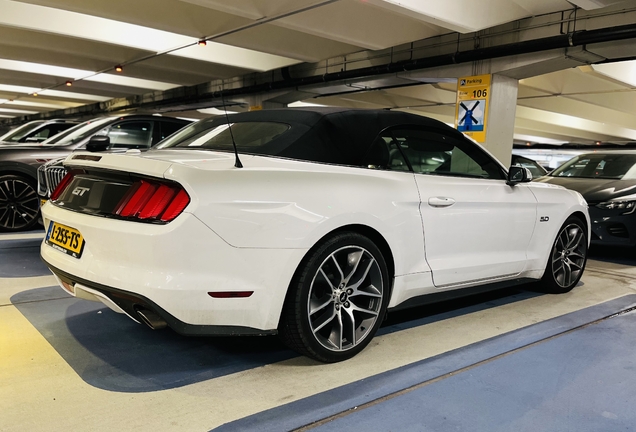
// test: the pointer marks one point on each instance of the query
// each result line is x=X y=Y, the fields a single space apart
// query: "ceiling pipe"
x=574 y=39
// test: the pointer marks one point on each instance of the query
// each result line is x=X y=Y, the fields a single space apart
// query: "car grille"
x=53 y=175
x=618 y=230
x=42 y=187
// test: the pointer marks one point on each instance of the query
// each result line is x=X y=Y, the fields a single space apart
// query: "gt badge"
x=80 y=191
x=544 y=219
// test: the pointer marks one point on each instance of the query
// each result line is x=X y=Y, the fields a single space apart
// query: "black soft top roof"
x=331 y=135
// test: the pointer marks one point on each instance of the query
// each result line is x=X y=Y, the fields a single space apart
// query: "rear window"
x=250 y=137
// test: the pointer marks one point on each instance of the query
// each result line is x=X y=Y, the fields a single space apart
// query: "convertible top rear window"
x=248 y=135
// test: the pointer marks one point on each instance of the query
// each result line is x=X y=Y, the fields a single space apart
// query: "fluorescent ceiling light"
x=37 y=68
x=17 y=89
x=131 y=82
x=303 y=104
x=79 y=74
x=45 y=19
x=40 y=104
x=214 y=111
x=54 y=93
x=17 y=111
x=188 y=119
x=621 y=71
x=71 y=95
x=538 y=139
x=7 y=116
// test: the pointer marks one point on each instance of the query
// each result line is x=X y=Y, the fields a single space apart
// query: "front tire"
x=567 y=259
x=337 y=299
x=19 y=203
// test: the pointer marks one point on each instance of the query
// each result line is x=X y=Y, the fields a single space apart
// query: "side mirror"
x=517 y=174
x=98 y=143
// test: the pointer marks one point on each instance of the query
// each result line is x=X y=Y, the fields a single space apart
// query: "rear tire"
x=19 y=203
x=337 y=299
x=567 y=259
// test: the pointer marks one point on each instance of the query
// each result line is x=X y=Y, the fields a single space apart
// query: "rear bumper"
x=130 y=304
x=170 y=269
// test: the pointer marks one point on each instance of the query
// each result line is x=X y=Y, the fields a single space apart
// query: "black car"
x=36 y=131
x=19 y=202
x=607 y=181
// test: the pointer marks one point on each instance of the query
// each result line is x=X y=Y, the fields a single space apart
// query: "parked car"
x=607 y=181
x=305 y=222
x=36 y=131
x=534 y=168
x=19 y=203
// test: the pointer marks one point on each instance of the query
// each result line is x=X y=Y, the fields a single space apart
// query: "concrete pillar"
x=501 y=117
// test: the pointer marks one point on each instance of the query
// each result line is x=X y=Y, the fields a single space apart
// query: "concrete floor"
x=68 y=364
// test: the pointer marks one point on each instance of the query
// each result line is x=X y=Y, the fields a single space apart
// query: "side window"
x=438 y=153
x=39 y=136
x=168 y=128
x=57 y=128
x=385 y=154
x=46 y=132
x=135 y=134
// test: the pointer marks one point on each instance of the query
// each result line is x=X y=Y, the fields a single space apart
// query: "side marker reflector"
x=230 y=294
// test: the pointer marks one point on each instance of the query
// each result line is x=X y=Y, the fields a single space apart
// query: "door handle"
x=440 y=202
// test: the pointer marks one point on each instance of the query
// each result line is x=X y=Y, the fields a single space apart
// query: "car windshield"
x=18 y=133
x=249 y=136
x=599 y=165
x=78 y=132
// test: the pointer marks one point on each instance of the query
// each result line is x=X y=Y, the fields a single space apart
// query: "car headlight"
x=628 y=206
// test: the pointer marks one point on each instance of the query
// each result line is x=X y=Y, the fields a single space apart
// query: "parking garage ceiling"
x=67 y=51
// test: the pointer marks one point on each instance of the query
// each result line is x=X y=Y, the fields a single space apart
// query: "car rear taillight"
x=151 y=200
x=66 y=180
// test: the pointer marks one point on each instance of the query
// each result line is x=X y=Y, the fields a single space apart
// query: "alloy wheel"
x=568 y=255
x=345 y=298
x=19 y=205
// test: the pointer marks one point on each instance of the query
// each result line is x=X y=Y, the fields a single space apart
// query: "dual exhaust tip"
x=151 y=319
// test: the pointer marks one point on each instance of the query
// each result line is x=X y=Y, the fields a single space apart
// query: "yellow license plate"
x=65 y=239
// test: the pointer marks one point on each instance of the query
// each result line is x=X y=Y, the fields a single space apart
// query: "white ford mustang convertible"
x=309 y=223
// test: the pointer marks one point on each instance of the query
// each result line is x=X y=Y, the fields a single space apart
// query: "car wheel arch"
x=18 y=170
x=365 y=230
x=581 y=216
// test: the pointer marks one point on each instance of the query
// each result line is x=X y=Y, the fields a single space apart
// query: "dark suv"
x=19 y=202
x=36 y=131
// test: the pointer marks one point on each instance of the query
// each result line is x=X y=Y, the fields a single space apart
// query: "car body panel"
x=460 y=243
